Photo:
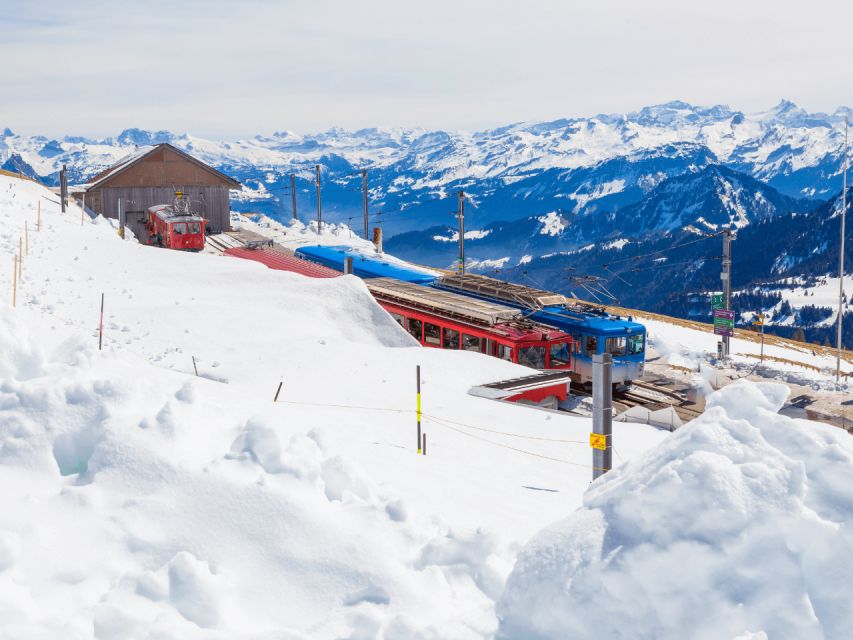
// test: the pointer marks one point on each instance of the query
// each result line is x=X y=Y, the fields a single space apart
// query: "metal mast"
x=841 y=257
x=364 y=202
x=727 y=280
x=293 y=193
x=319 y=205
x=460 y=268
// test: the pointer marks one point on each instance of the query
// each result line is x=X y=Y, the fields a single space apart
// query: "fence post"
x=101 y=325
x=418 y=383
x=348 y=265
x=602 y=414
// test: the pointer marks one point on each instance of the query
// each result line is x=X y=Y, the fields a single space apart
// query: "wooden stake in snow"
x=14 y=280
x=277 y=391
x=83 y=209
x=418 y=410
x=101 y=325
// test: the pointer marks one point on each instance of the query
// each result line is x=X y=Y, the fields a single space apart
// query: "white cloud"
x=231 y=69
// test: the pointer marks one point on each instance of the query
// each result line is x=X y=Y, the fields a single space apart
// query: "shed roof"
x=143 y=152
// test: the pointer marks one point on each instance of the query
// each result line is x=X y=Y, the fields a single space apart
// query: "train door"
x=505 y=352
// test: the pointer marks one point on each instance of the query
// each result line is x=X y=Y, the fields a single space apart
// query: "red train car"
x=445 y=320
x=171 y=229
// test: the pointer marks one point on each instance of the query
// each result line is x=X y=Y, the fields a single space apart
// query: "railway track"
x=653 y=395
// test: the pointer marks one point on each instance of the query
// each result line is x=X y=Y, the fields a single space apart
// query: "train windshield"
x=617 y=346
x=533 y=357
x=195 y=227
x=636 y=343
x=179 y=228
x=560 y=355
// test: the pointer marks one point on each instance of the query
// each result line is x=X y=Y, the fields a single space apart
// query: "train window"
x=179 y=228
x=451 y=339
x=416 y=328
x=401 y=320
x=635 y=343
x=195 y=227
x=432 y=334
x=533 y=357
x=560 y=356
x=470 y=343
x=591 y=343
x=616 y=346
x=503 y=352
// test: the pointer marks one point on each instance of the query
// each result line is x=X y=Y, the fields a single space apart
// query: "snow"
x=739 y=526
x=824 y=293
x=616 y=244
x=688 y=348
x=474 y=234
x=141 y=500
x=553 y=224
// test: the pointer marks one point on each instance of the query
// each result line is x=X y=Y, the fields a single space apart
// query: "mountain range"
x=571 y=192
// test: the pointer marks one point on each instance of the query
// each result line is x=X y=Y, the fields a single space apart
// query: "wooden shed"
x=153 y=175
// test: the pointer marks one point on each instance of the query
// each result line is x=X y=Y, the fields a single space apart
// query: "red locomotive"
x=173 y=229
x=446 y=320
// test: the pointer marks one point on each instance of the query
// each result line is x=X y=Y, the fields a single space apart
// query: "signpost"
x=724 y=322
x=718 y=301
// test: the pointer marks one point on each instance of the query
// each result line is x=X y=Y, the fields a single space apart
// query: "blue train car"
x=364 y=264
x=594 y=330
x=622 y=338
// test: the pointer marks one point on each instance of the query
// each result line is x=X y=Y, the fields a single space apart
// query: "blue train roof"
x=566 y=320
x=364 y=265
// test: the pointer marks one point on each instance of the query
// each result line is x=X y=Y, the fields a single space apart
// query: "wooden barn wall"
x=165 y=168
x=211 y=202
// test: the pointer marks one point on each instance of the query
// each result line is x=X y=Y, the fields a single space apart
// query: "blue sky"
x=231 y=69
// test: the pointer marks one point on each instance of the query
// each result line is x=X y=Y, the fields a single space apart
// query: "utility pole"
x=319 y=203
x=364 y=201
x=293 y=193
x=63 y=187
x=726 y=277
x=841 y=258
x=601 y=438
x=460 y=211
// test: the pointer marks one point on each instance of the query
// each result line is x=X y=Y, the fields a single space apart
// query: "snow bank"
x=140 y=500
x=740 y=525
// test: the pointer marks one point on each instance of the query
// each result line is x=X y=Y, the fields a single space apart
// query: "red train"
x=172 y=229
x=445 y=320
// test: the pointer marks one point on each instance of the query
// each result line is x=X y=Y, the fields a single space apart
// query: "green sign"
x=718 y=301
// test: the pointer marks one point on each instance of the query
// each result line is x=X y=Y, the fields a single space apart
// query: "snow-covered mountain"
x=581 y=161
x=696 y=201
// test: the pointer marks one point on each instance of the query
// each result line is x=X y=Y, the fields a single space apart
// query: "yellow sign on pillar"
x=598 y=441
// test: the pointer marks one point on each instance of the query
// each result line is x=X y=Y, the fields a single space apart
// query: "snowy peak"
x=708 y=200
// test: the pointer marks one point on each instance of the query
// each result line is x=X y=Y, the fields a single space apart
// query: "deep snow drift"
x=739 y=526
x=142 y=501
